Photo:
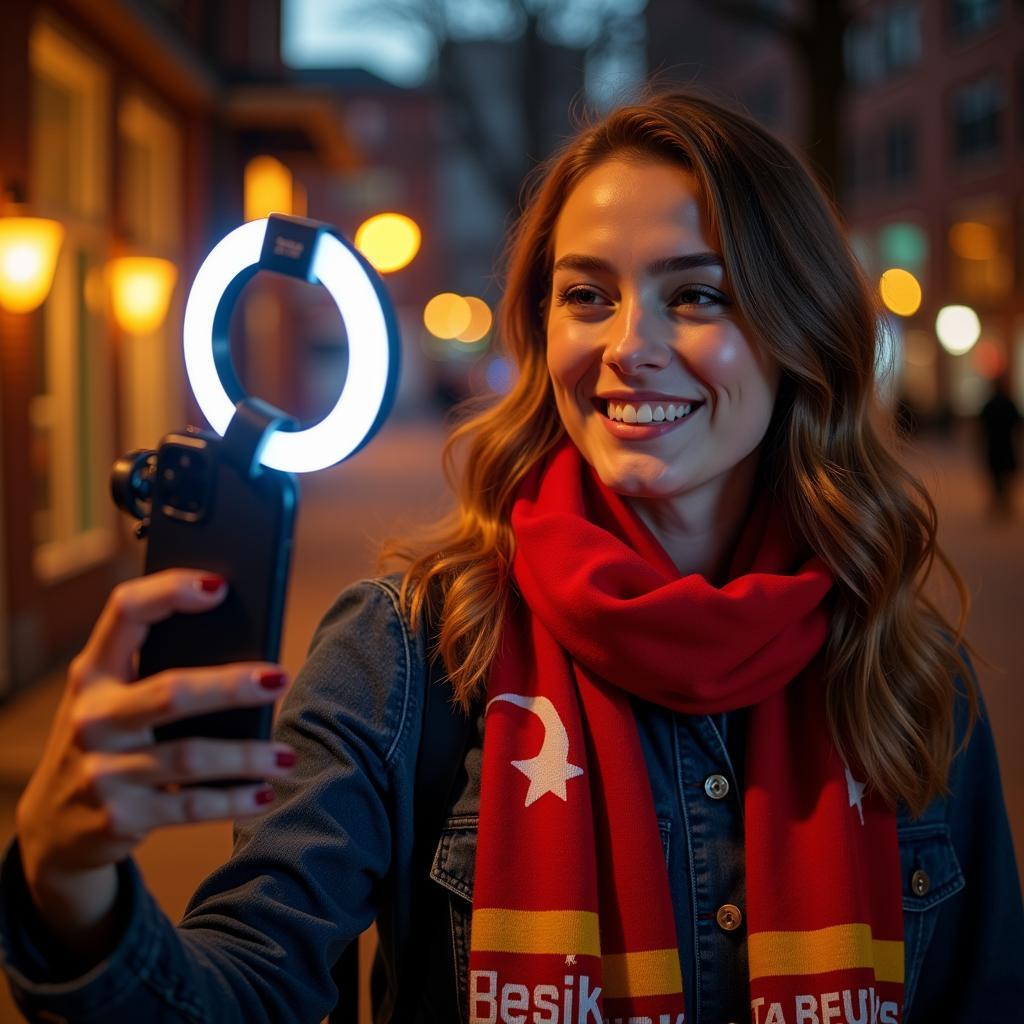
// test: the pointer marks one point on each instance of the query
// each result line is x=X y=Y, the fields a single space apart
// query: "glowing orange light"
x=901 y=291
x=479 y=320
x=140 y=289
x=973 y=241
x=447 y=315
x=389 y=241
x=28 y=258
x=268 y=188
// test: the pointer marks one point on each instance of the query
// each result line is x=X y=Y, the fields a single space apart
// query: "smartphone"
x=208 y=513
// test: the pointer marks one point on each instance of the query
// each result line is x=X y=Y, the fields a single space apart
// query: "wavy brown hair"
x=891 y=657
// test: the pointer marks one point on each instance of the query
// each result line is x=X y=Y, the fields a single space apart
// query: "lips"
x=639 y=421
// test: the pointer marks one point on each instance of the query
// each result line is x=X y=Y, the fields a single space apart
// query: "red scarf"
x=572 y=917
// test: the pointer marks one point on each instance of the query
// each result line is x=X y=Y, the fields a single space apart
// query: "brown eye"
x=579 y=295
x=703 y=297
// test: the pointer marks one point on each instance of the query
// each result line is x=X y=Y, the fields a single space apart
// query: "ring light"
x=370 y=324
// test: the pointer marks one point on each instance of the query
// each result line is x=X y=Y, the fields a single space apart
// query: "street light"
x=140 y=291
x=28 y=257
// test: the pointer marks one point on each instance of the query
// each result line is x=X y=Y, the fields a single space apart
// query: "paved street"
x=396 y=480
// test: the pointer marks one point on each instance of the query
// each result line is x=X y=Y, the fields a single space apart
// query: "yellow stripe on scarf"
x=838 y=948
x=650 y=972
x=536 y=931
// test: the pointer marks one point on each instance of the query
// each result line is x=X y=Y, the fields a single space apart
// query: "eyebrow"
x=668 y=265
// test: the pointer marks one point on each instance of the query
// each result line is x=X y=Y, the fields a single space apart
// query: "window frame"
x=70 y=319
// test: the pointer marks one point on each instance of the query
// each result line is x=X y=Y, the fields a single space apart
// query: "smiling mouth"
x=646 y=412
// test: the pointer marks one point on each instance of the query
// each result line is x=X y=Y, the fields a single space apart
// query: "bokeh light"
x=447 y=315
x=140 y=292
x=499 y=375
x=957 y=328
x=901 y=291
x=268 y=188
x=390 y=241
x=973 y=241
x=479 y=322
x=28 y=257
x=903 y=244
x=988 y=359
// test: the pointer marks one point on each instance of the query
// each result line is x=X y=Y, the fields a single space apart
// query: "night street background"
x=136 y=134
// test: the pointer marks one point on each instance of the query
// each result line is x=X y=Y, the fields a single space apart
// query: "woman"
x=729 y=770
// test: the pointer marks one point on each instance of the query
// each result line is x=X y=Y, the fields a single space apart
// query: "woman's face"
x=656 y=380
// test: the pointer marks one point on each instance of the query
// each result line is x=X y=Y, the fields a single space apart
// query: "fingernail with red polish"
x=211 y=584
x=284 y=758
x=272 y=680
x=264 y=796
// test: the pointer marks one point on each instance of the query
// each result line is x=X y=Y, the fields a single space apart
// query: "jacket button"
x=716 y=786
x=920 y=883
x=729 y=917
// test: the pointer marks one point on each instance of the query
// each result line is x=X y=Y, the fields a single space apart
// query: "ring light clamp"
x=313 y=252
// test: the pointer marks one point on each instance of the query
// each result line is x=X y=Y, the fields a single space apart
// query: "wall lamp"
x=29 y=247
x=140 y=291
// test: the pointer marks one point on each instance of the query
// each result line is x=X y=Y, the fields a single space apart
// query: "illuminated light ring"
x=373 y=343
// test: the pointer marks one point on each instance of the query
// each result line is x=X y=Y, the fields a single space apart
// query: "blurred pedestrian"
x=999 y=419
x=721 y=760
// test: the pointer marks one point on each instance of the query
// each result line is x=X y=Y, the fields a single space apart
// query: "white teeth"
x=646 y=412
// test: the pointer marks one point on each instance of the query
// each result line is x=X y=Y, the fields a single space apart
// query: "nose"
x=635 y=341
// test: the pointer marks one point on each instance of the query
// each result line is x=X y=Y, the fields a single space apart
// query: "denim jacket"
x=334 y=853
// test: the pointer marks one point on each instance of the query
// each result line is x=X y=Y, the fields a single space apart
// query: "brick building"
x=932 y=122
x=131 y=123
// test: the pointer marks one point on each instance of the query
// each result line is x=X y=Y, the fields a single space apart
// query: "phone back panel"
x=207 y=514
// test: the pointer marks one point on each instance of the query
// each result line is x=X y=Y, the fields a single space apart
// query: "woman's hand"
x=103 y=783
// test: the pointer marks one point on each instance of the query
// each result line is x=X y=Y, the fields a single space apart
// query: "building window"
x=71 y=410
x=901 y=36
x=862 y=56
x=900 y=152
x=884 y=42
x=152 y=383
x=978 y=118
x=968 y=17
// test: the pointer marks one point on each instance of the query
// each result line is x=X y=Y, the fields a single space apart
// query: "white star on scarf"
x=855 y=791
x=549 y=771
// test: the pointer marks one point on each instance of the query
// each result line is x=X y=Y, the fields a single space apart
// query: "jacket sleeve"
x=973 y=970
x=262 y=933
